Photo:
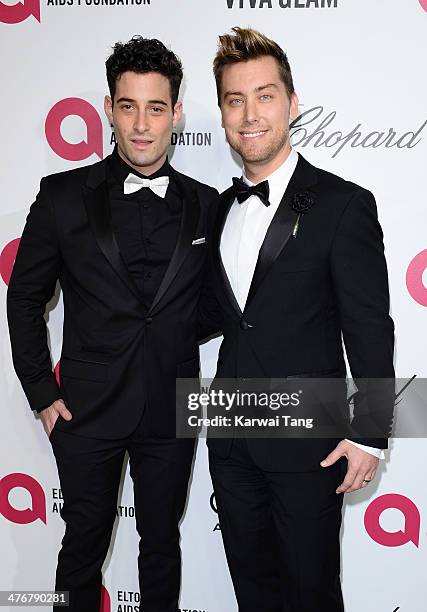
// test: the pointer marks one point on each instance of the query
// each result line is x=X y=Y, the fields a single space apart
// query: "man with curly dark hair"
x=157 y=70
x=126 y=238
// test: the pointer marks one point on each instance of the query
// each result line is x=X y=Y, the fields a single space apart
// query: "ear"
x=108 y=108
x=177 y=114
x=294 y=107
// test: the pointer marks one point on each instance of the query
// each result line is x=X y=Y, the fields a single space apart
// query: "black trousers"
x=90 y=472
x=280 y=533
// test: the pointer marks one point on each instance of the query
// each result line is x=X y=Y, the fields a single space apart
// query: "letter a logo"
x=7 y=259
x=411 y=530
x=83 y=149
x=19 y=12
x=105 y=600
x=38 y=500
x=414 y=277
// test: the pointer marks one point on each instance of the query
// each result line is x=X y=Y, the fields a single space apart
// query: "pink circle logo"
x=38 y=500
x=19 y=12
x=414 y=277
x=7 y=259
x=423 y=4
x=57 y=373
x=411 y=532
x=105 y=600
x=85 y=148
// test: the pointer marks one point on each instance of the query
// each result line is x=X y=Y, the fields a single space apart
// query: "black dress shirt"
x=146 y=226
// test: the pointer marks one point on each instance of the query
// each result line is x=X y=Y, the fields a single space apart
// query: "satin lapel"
x=282 y=225
x=227 y=201
x=189 y=221
x=95 y=195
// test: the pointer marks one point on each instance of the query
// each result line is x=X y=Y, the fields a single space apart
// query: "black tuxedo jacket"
x=117 y=358
x=308 y=292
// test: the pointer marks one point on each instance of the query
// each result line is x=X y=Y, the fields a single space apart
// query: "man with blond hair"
x=298 y=264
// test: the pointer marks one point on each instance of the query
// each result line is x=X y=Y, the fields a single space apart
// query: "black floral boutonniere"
x=301 y=204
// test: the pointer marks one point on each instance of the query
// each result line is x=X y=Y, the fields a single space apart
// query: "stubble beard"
x=254 y=154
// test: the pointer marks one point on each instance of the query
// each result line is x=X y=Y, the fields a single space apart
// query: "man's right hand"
x=49 y=415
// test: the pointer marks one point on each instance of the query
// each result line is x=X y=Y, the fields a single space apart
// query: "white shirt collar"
x=281 y=175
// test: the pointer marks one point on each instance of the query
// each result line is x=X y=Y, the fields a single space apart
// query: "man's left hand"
x=362 y=466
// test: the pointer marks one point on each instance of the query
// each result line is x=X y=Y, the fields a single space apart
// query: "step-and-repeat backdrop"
x=358 y=69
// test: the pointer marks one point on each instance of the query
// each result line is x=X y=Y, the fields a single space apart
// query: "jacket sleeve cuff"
x=372 y=450
x=42 y=393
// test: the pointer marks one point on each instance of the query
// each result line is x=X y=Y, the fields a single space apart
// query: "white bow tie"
x=134 y=183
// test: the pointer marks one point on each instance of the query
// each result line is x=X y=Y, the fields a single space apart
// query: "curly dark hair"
x=144 y=55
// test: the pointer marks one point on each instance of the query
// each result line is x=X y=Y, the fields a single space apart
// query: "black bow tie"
x=243 y=191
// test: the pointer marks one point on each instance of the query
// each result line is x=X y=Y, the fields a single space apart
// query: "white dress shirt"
x=244 y=232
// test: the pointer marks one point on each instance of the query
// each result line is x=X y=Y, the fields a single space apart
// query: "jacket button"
x=244 y=324
x=149 y=320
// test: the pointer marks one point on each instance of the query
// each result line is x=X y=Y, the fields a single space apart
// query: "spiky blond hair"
x=246 y=44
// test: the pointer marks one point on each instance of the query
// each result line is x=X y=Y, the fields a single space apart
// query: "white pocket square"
x=199 y=241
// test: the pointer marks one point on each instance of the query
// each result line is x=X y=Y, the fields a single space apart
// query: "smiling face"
x=143 y=118
x=256 y=111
